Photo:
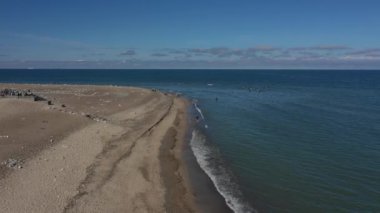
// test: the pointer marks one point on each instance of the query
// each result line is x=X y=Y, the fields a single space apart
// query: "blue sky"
x=190 y=34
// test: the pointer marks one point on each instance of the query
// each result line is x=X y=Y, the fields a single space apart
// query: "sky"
x=244 y=34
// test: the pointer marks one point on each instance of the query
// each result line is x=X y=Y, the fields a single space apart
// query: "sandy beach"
x=94 y=149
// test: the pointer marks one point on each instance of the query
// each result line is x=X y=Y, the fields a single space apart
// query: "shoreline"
x=125 y=133
x=193 y=187
x=207 y=198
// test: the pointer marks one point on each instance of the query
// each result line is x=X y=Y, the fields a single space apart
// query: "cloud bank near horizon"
x=260 y=57
x=79 y=55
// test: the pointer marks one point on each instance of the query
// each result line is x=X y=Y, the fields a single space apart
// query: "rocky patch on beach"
x=12 y=163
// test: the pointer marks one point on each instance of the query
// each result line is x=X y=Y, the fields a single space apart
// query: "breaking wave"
x=211 y=162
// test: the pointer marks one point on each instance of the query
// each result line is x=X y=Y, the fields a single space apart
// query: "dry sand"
x=96 y=149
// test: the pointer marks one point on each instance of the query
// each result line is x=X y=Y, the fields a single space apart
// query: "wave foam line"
x=200 y=112
x=211 y=163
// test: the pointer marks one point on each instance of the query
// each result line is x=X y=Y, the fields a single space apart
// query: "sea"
x=269 y=140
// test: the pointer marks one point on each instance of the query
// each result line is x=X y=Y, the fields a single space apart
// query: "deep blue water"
x=289 y=140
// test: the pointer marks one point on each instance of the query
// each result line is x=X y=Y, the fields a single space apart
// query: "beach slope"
x=92 y=149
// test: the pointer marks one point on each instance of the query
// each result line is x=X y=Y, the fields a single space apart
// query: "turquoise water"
x=276 y=141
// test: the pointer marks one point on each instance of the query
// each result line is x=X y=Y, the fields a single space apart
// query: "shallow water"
x=285 y=141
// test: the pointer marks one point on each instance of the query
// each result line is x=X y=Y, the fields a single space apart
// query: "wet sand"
x=96 y=149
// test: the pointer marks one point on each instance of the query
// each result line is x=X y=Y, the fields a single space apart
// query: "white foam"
x=199 y=110
x=218 y=174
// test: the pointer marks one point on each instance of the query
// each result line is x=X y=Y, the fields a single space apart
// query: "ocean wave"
x=211 y=163
x=199 y=111
x=201 y=114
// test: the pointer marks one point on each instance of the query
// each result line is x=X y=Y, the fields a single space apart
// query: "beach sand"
x=95 y=149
